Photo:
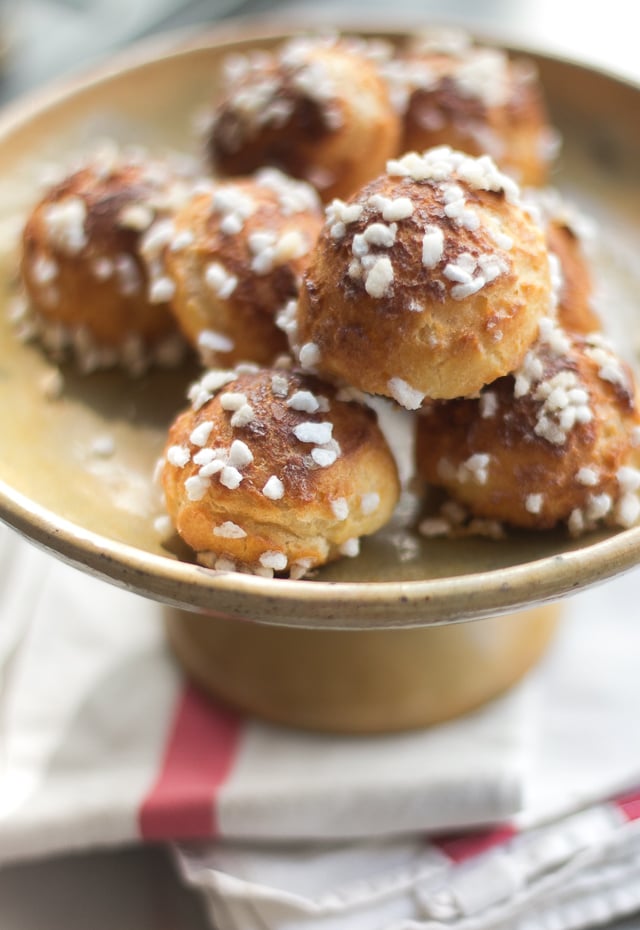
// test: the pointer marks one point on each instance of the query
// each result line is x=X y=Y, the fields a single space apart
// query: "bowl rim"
x=176 y=43
x=306 y=603
x=296 y=603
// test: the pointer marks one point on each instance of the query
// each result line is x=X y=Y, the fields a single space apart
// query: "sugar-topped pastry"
x=556 y=442
x=429 y=282
x=571 y=240
x=316 y=108
x=269 y=471
x=235 y=256
x=88 y=287
x=450 y=90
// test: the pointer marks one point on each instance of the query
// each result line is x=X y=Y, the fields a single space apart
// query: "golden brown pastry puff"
x=556 y=442
x=571 y=238
x=316 y=108
x=268 y=471
x=237 y=256
x=430 y=282
x=450 y=91
x=85 y=279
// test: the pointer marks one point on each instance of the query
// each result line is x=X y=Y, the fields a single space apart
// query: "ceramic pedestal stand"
x=359 y=681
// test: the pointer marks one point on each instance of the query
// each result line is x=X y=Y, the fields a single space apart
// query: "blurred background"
x=41 y=39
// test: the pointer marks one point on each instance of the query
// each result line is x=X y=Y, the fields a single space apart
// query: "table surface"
x=137 y=889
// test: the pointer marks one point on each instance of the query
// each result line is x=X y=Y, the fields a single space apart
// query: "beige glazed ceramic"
x=355 y=681
x=376 y=646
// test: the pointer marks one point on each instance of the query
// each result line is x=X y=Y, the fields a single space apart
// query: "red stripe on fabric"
x=629 y=804
x=200 y=752
x=459 y=848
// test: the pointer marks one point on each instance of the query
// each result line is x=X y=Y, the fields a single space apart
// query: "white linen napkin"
x=103 y=743
x=569 y=858
x=581 y=871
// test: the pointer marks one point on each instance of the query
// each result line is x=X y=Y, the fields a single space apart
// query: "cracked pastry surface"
x=558 y=441
x=236 y=254
x=430 y=282
x=316 y=108
x=269 y=471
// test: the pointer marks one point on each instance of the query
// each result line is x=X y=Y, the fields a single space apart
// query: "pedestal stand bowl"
x=374 y=643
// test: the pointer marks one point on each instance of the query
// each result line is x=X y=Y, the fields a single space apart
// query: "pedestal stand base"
x=354 y=681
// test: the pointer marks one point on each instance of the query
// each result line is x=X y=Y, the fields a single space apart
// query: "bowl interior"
x=98 y=511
